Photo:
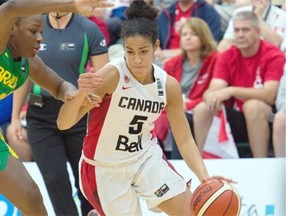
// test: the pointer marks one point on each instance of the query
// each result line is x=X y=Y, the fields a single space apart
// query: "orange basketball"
x=215 y=198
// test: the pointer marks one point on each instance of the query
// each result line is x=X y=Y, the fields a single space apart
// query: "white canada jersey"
x=121 y=129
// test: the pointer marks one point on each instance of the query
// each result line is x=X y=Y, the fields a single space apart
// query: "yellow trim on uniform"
x=5 y=150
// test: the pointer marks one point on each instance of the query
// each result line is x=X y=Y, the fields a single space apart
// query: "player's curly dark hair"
x=141 y=21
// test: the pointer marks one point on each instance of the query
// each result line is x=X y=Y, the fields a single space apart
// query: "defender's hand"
x=92 y=99
x=86 y=7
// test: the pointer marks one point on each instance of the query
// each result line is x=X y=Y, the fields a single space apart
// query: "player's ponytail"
x=141 y=21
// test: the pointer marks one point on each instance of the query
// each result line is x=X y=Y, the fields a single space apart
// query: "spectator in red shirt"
x=247 y=76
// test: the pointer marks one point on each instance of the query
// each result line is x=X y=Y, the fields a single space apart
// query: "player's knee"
x=33 y=194
x=34 y=202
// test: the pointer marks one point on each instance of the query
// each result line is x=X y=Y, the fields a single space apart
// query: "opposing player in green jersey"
x=20 y=37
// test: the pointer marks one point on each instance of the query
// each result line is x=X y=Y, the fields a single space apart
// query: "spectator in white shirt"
x=272 y=24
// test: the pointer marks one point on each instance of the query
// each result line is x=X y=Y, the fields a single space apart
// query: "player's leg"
x=257 y=114
x=161 y=186
x=88 y=186
x=17 y=185
x=117 y=196
x=178 y=205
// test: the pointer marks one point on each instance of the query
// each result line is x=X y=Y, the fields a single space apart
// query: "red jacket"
x=174 y=67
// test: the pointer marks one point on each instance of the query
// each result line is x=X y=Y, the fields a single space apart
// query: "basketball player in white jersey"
x=121 y=157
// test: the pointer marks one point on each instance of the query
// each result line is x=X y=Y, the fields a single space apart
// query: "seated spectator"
x=171 y=19
x=193 y=69
x=246 y=79
x=279 y=124
x=272 y=23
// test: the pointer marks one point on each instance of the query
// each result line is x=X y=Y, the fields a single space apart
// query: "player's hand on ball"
x=215 y=196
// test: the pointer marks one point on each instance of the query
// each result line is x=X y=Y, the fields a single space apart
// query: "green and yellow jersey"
x=12 y=73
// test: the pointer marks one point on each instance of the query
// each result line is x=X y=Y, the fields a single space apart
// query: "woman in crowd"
x=193 y=69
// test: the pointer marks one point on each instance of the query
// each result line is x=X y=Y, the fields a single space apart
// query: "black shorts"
x=238 y=126
x=238 y=129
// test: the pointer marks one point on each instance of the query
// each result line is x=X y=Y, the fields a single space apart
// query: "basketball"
x=215 y=198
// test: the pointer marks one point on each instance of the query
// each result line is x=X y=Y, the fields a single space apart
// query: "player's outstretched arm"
x=91 y=84
x=72 y=111
x=11 y=10
x=75 y=108
x=20 y=8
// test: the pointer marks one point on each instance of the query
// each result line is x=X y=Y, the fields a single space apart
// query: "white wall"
x=261 y=185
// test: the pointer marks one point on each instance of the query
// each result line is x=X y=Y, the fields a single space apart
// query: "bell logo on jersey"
x=124 y=145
